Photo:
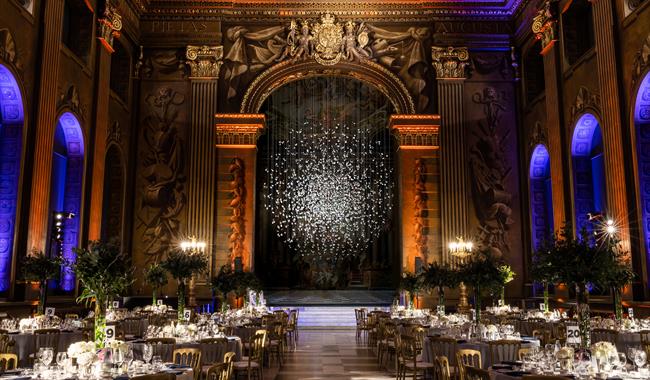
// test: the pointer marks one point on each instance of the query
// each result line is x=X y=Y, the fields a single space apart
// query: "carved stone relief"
x=419 y=210
x=161 y=174
x=537 y=136
x=328 y=42
x=237 y=235
x=491 y=169
x=585 y=100
x=8 y=50
x=641 y=61
x=70 y=99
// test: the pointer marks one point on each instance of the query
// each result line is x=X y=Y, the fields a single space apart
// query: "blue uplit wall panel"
x=541 y=204
x=642 y=124
x=11 y=128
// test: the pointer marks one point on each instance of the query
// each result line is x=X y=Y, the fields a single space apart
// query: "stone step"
x=328 y=316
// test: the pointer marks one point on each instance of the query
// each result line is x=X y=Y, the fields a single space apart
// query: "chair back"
x=523 y=352
x=604 y=335
x=190 y=357
x=6 y=344
x=360 y=315
x=163 y=347
x=46 y=338
x=218 y=371
x=132 y=327
x=544 y=336
x=645 y=336
x=504 y=350
x=8 y=361
x=467 y=358
x=257 y=343
x=229 y=359
x=293 y=319
x=213 y=350
x=473 y=373
x=441 y=368
x=443 y=346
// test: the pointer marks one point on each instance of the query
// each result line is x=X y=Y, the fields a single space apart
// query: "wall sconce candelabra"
x=461 y=250
x=193 y=247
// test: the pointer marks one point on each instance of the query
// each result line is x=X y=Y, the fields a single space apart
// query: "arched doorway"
x=541 y=202
x=66 y=191
x=113 y=202
x=589 y=189
x=297 y=112
x=11 y=146
x=642 y=133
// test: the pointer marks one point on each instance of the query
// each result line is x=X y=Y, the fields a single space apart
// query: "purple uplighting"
x=642 y=127
x=541 y=203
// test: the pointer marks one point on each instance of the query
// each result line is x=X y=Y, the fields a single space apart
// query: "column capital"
x=239 y=130
x=110 y=26
x=204 y=61
x=545 y=24
x=450 y=62
x=416 y=131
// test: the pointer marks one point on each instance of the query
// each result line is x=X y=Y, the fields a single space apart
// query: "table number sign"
x=187 y=314
x=441 y=309
x=573 y=334
x=116 y=304
x=630 y=312
x=159 y=302
x=49 y=311
x=500 y=303
x=109 y=333
x=542 y=307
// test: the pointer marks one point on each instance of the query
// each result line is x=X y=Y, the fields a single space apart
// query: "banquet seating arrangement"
x=252 y=364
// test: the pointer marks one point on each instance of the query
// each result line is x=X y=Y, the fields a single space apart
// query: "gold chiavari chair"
x=604 y=335
x=218 y=372
x=252 y=364
x=276 y=343
x=6 y=344
x=407 y=358
x=228 y=358
x=544 y=336
x=292 y=328
x=190 y=357
x=8 y=361
x=473 y=373
x=212 y=351
x=362 y=323
x=645 y=336
x=521 y=353
x=504 y=350
x=132 y=327
x=441 y=368
x=442 y=346
x=386 y=341
x=467 y=358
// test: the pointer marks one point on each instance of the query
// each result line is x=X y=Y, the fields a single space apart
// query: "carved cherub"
x=305 y=44
x=290 y=42
x=355 y=42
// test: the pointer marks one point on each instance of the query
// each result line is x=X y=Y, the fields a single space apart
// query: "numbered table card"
x=187 y=314
x=49 y=311
x=109 y=333
x=542 y=307
x=630 y=313
x=573 y=335
x=159 y=302
x=116 y=304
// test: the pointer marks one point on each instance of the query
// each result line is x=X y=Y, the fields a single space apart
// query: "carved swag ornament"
x=328 y=42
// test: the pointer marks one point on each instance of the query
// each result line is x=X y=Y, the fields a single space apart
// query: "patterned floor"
x=331 y=355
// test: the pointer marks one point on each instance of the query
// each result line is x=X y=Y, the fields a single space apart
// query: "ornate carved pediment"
x=8 y=50
x=204 y=61
x=109 y=26
x=584 y=101
x=545 y=23
x=416 y=131
x=641 y=60
x=70 y=99
x=450 y=62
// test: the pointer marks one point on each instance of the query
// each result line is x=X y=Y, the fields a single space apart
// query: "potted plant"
x=481 y=271
x=506 y=275
x=237 y=283
x=413 y=284
x=437 y=276
x=156 y=277
x=104 y=272
x=182 y=266
x=542 y=269
x=40 y=268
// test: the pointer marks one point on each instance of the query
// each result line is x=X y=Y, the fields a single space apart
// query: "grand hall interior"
x=324 y=189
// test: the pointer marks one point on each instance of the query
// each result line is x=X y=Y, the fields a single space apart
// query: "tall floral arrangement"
x=506 y=275
x=481 y=271
x=40 y=268
x=413 y=284
x=182 y=266
x=437 y=276
x=104 y=272
x=156 y=277
x=618 y=273
x=542 y=269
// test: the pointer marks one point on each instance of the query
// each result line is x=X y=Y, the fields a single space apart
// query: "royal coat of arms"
x=328 y=39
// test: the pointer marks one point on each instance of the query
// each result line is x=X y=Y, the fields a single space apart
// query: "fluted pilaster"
x=45 y=125
x=450 y=64
x=204 y=62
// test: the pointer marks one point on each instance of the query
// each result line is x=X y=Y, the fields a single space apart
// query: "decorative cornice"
x=109 y=27
x=416 y=131
x=545 y=24
x=450 y=62
x=204 y=61
x=585 y=101
x=239 y=130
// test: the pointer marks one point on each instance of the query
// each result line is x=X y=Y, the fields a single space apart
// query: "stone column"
x=417 y=187
x=109 y=27
x=45 y=124
x=204 y=63
x=450 y=63
x=612 y=126
x=544 y=26
x=236 y=162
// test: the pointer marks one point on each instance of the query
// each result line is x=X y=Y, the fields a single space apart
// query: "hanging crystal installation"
x=329 y=179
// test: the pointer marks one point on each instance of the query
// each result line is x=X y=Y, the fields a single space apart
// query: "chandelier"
x=329 y=185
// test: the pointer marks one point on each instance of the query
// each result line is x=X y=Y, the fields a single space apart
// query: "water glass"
x=640 y=358
x=157 y=363
x=147 y=353
x=47 y=355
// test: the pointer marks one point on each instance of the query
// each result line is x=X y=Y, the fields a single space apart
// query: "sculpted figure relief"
x=328 y=42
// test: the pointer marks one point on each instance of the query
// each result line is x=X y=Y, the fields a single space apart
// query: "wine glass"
x=47 y=356
x=639 y=358
x=147 y=353
x=60 y=359
x=118 y=359
x=622 y=360
x=128 y=357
